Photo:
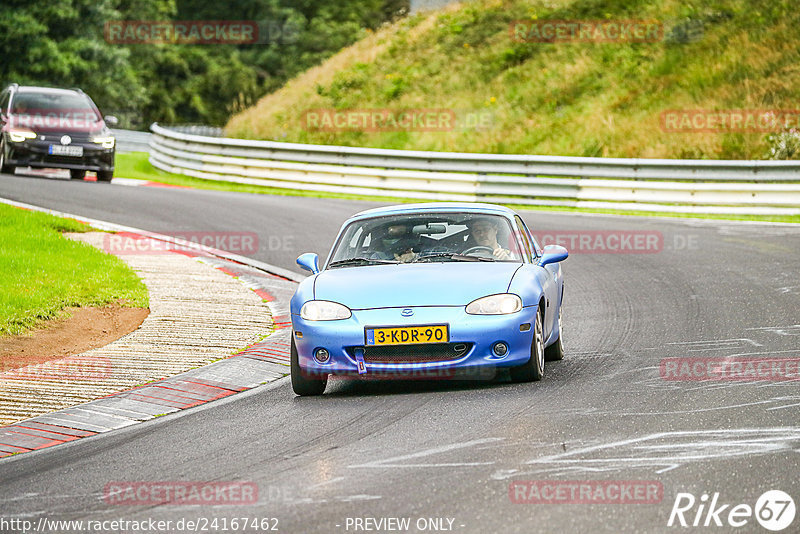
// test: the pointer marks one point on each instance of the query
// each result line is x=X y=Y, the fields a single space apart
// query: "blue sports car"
x=428 y=291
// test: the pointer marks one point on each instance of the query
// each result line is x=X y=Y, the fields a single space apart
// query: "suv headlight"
x=106 y=142
x=501 y=304
x=18 y=136
x=324 y=310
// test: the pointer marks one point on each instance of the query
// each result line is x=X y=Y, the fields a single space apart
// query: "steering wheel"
x=482 y=248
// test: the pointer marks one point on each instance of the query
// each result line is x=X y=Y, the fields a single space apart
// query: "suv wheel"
x=105 y=176
x=3 y=167
x=77 y=174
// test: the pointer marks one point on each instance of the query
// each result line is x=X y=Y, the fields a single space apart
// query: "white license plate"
x=66 y=150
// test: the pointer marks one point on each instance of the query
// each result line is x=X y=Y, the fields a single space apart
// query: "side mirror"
x=111 y=120
x=553 y=254
x=309 y=262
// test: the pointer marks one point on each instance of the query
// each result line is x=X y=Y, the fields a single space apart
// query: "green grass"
x=569 y=99
x=44 y=272
x=136 y=165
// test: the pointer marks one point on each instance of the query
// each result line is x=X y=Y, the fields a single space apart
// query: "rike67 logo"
x=774 y=510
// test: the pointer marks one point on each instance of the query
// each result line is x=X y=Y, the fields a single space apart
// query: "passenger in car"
x=394 y=242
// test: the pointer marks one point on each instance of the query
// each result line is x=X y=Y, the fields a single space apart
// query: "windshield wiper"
x=360 y=261
x=452 y=256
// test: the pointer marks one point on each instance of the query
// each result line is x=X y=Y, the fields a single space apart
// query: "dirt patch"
x=85 y=329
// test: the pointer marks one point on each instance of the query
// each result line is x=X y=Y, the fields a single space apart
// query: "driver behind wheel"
x=484 y=233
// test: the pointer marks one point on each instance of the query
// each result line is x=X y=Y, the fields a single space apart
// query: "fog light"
x=321 y=355
x=500 y=348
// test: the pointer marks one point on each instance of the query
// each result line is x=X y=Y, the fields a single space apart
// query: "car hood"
x=422 y=284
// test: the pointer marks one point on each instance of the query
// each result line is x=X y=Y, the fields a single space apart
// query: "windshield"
x=54 y=110
x=30 y=102
x=426 y=237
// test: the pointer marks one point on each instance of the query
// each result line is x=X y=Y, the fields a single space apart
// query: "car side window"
x=535 y=248
x=523 y=233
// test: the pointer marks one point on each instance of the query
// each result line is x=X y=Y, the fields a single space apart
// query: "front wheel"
x=105 y=176
x=555 y=352
x=533 y=369
x=302 y=385
x=77 y=174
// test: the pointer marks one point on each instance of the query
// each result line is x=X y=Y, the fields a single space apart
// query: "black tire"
x=3 y=167
x=77 y=174
x=105 y=176
x=300 y=384
x=555 y=352
x=533 y=369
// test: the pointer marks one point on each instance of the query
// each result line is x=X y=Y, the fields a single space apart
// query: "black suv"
x=56 y=128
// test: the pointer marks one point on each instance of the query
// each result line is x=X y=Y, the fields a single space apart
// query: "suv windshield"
x=32 y=102
x=427 y=237
x=66 y=111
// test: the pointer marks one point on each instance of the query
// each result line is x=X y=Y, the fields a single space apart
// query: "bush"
x=784 y=145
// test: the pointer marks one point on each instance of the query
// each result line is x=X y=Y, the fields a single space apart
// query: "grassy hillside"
x=566 y=98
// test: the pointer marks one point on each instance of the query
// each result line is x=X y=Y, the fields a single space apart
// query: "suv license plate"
x=66 y=150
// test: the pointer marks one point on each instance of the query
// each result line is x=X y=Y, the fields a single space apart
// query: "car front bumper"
x=35 y=153
x=479 y=333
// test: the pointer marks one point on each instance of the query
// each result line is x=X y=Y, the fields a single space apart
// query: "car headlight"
x=324 y=310
x=18 y=136
x=106 y=142
x=501 y=304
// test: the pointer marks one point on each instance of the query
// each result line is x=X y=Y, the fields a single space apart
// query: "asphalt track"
x=418 y=449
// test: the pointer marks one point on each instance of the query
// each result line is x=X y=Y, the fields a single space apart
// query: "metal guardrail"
x=199 y=129
x=131 y=140
x=684 y=186
x=136 y=141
